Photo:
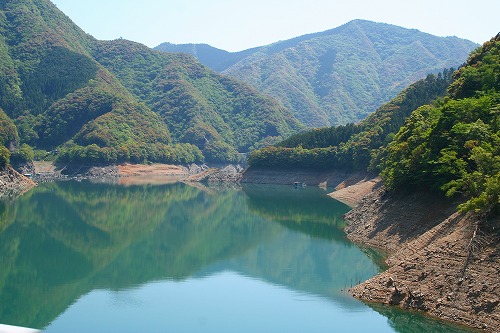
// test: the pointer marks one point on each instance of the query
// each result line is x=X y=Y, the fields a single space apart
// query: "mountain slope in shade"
x=340 y=75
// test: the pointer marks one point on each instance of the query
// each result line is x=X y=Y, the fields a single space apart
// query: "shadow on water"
x=63 y=240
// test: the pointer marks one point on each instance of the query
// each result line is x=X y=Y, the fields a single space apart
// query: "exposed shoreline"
x=13 y=184
x=326 y=179
x=439 y=263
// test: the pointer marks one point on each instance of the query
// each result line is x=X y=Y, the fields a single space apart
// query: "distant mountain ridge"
x=217 y=59
x=339 y=75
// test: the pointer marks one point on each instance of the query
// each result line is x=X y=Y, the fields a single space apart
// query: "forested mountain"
x=352 y=146
x=116 y=101
x=216 y=113
x=450 y=145
x=454 y=145
x=58 y=95
x=340 y=75
x=215 y=58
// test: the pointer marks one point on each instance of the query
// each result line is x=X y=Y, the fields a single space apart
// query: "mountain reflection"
x=63 y=240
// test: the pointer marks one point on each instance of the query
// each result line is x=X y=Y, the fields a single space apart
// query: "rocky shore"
x=229 y=174
x=13 y=184
x=440 y=262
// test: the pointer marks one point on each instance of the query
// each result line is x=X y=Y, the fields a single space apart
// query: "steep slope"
x=218 y=114
x=439 y=262
x=8 y=131
x=12 y=184
x=57 y=94
x=341 y=75
x=93 y=101
x=442 y=262
x=457 y=141
x=352 y=146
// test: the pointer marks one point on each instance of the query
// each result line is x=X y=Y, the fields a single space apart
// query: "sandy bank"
x=440 y=263
x=127 y=170
x=353 y=189
x=135 y=173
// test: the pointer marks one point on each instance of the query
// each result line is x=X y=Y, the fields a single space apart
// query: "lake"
x=96 y=257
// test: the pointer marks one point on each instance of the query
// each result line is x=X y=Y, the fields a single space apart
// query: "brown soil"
x=352 y=190
x=150 y=170
x=149 y=180
x=439 y=262
x=44 y=167
x=228 y=175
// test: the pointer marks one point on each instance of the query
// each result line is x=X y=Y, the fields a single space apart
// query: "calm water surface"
x=82 y=257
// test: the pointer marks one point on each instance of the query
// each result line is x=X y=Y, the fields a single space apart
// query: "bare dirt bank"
x=440 y=262
x=48 y=171
x=353 y=189
x=13 y=184
x=127 y=170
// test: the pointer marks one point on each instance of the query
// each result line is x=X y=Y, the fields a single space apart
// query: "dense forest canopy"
x=352 y=146
x=454 y=145
x=217 y=114
x=418 y=140
x=88 y=101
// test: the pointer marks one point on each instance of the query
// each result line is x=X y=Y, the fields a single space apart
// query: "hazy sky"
x=235 y=25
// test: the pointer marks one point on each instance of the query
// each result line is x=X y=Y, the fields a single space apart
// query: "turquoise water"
x=82 y=257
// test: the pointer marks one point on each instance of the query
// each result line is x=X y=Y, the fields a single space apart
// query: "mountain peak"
x=342 y=74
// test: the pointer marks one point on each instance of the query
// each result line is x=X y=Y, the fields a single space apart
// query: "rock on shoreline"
x=228 y=175
x=13 y=184
x=439 y=262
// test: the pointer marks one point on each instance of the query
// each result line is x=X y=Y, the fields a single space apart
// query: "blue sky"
x=237 y=25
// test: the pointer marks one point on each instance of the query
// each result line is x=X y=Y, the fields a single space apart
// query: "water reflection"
x=62 y=241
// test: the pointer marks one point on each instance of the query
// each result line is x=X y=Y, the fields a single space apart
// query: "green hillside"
x=58 y=96
x=217 y=114
x=419 y=141
x=340 y=75
x=215 y=58
x=352 y=146
x=454 y=146
x=8 y=137
x=118 y=101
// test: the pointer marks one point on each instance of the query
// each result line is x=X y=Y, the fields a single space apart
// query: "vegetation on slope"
x=8 y=137
x=454 y=146
x=217 y=114
x=351 y=146
x=215 y=58
x=340 y=75
x=93 y=101
x=59 y=96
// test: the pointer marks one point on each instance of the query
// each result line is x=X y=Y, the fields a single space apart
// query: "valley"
x=401 y=125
